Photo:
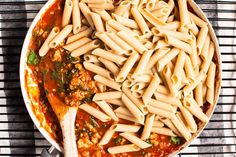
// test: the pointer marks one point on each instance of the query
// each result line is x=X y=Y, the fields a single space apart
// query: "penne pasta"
x=125 y=128
x=205 y=48
x=103 y=13
x=151 y=89
x=119 y=27
x=133 y=108
x=178 y=43
x=178 y=70
x=108 y=82
x=86 y=12
x=185 y=23
x=106 y=95
x=76 y=44
x=128 y=83
x=168 y=99
x=147 y=126
x=95 y=1
x=163 y=90
x=160 y=112
x=106 y=137
x=45 y=47
x=205 y=65
x=125 y=21
x=85 y=33
x=135 y=43
x=91 y=58
x=138 y=94
x=138 y=86
x=171 y=85
x=97 y=20
x=124 y=5
x=162 y=105
x=60 y=37
x=128 y=118
x=167 y=58
x=124 y=71
x=140 y=20
x=195 y=109
x=123 y=149
x=199 y=22
x=163 y=131
x=112 y=67
x=109 y=56
x=189 y=69
x=67 y=12
x=158 y=124
x=202 y=36
x=170 y=125
x=110 y=43
x=94 y=112
x=107 y=109
x=142 y=63
x=136 y=101
x=210 y=81
x=135 y=140
x=117 y=102
x=76 y=19
x=105 y=6
x=188 y=117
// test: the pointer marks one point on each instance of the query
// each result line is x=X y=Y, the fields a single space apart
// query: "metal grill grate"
x=18 y=135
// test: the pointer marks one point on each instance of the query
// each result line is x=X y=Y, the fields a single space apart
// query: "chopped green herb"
x=33 y=58
x=175 y=140
x=55 y=75
x=88 y=99
x=58 y=65
x=70 y=59
x=117 y=140
x=90 y=134
x=104 y=125
x=148 y=141
x=46 y=91
x=93 y=121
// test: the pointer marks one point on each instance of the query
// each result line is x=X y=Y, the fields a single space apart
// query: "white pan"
x=29 y=102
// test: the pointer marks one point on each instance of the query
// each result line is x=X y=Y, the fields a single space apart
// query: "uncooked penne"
x=125 y=128
x=132 y=41
x=67 y=12
x=45 y=47
x=123 y=6
x=210 y=81
x=126 y=21
x=168 y=99
x=128 y=118
x=138 y=86
x=86 y=12
x=170 y=125
x=158 y=124
x=205 y=48
x=94 y=112
x=106 y=137
x=128 y=83
x=117 y=102
x=156 y=56
x=160 y=112
x=95 y=1
x=76 y=18
x=173 y=87
x=187 y=89
x=109 y=65
x=167 y=58
x=85 y=33
x=86 y=48
x=119 y=41
x=76 y=44
x=148 y=126
x=123 y=149
x=135 y=140
x=133 y=108
x=135 y=100
x=138 y=94
x=193 y=55
x=110 y=43
x=163 y=131
x=179 y=67
x=181 y=128
x=142 y=63
x=107 y=95
x=151 y=89
x=140 y=20
x=143 y=78
x=189 y=119
x=108 y=82
x=124 y=71
x=202 y=36
x=105 y=6
x=162 y=105
x=119 y=27
x=198 y=94
x=103 y=13
x=91 y=58
x=189 y=69
x=178 y=43
x=205 y=65
x=97 y=20
x=195 y=109
x=199 y=22
x=60 y=36
x=185 y=22
x=107 y=109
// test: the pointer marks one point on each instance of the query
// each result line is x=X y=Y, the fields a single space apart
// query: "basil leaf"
x=33 y=58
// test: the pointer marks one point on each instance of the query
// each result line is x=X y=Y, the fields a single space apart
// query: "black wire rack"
x=18 y=135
